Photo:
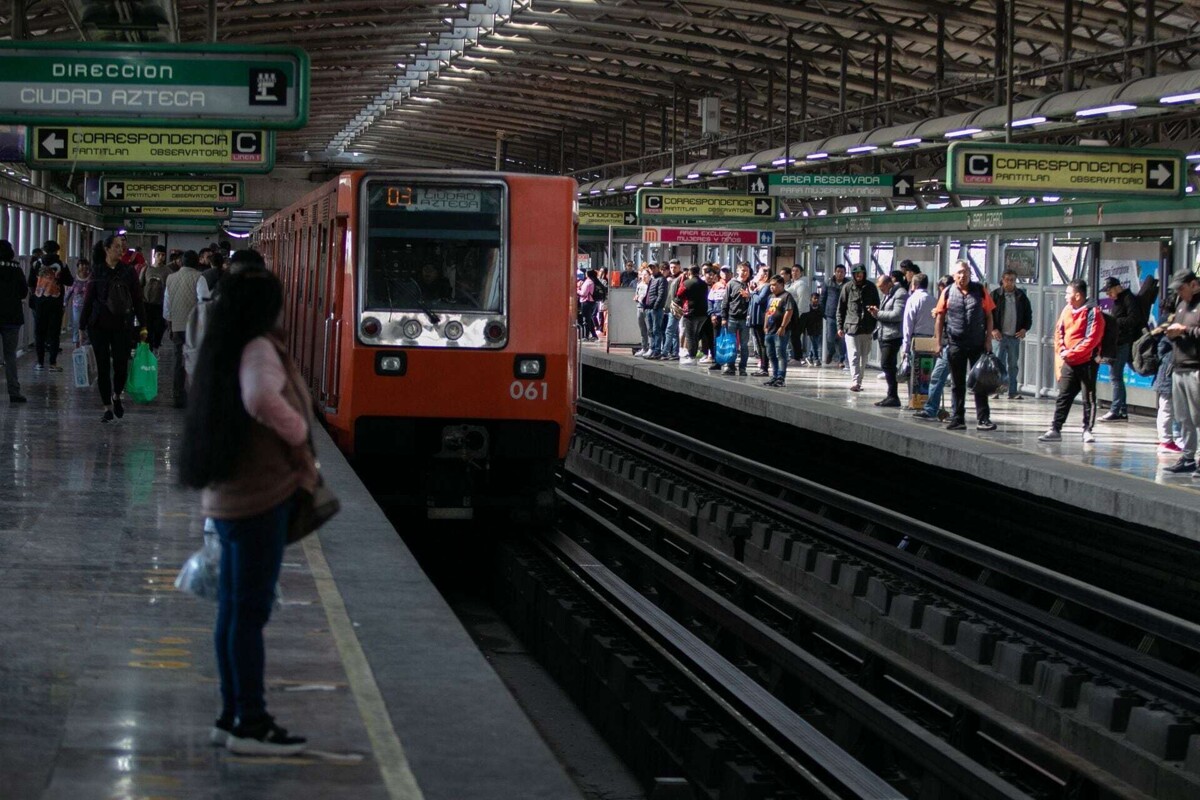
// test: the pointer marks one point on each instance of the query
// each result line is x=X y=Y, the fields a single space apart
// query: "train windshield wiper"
x=434 y=319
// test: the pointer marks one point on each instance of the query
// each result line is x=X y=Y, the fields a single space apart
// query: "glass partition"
x=883 y=257
x=974 y=252
x=1022 y=257
x=1071 y=259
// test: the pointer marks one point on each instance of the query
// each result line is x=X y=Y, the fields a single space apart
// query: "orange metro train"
x=432 y=315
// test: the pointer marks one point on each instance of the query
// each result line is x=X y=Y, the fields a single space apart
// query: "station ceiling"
x=606 y=86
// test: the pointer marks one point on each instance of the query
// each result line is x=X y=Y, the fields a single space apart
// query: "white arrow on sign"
x=116 y=190
x=762 y=207
x=630 y=218
x=52 y=144
x=903 y=187
x=1161 y=174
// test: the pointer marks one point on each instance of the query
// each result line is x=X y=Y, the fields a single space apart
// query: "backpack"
x=599 y=292
x=1146 y=360
x=47 y=282
x=154 y=289
x=120 y=299
x=1146 y=297
x=1108 y=344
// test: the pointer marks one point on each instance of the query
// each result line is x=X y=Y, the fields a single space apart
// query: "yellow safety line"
x=398 y=778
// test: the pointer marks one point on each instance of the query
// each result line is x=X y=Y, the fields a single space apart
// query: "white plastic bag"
x=200 y=572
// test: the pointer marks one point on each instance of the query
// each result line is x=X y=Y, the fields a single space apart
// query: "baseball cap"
x=1181 y=277
x=1109 y=283
x=858 y=268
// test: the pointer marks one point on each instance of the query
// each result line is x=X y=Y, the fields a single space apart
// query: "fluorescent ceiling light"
x=1114 y=109
x=748 y=167
x=594 y=191
x=648 y=183
x=629 y=186
x=721 y=172
x=779 y=162
x=862 y=148
x=1190 y=97
x=906 y=142
x=1193 y=157
x=668 y=180
x=816 y=156
x=1021 y=123
x=691 y=176
x=611 y=189
x=963 y=132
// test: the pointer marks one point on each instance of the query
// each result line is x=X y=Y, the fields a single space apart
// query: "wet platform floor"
x=108 y=684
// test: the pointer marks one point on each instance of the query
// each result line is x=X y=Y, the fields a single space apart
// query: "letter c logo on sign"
x=979 y=164
x=247 y=142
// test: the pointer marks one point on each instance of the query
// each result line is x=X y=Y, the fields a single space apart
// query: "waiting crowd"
x=682 y=314
x=108 y=304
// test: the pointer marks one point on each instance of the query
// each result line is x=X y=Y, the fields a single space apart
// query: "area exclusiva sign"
x=141 y=149
x=157 y=85
x=725 y=236
x=1020 y=169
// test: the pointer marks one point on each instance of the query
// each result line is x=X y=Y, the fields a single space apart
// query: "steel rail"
x=1162 y=679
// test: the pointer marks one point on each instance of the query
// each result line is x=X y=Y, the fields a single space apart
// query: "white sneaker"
x=1089 y=437
x=686 y=361
x=704 y=360
x=640 y=354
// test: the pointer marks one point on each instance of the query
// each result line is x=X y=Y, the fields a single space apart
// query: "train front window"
x=434 y=247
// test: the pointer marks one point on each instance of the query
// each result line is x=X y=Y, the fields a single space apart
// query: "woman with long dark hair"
x=246 y=445
x=112 y=299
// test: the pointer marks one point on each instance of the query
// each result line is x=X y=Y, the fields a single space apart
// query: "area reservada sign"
x=156 y=85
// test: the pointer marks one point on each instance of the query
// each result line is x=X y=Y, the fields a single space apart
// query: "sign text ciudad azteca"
x=116 y=96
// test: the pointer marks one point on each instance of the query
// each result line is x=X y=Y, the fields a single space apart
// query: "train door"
x=1023 y=255
x=1071 y=258
x=332 y=327
x=317 y=352
x=311 y=320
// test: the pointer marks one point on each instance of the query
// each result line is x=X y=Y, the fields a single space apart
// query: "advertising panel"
x=1131 y=263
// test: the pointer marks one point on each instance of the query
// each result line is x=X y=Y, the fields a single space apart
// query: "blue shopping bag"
x=726 y=347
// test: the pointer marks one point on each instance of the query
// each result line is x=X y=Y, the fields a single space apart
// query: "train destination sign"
x=155 y=85
x=172 y=191
x=603 y=217
x=707 y=236
x=817 y=185
x=656 y=206
x=140 y=149
x=1019 y=170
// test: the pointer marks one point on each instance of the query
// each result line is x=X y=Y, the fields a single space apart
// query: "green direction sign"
x=603 y=217
x=130 y=191
x=657 y=206
x=172 y=212
x=156 y=85
x=823 y=185
x=161 y=224
x=113 y=149
x=1017 y=170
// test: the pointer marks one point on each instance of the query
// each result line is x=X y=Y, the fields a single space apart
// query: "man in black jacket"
x=855 y=324
x=694 y=294
x=48 y=282
x=1011 y=320
x=1126 y=311
x=735 y=309
x=656 y=305
x=13 y=289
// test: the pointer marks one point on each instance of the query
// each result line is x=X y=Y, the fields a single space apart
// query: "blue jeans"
x=777 y=347
x=654 y=321
x=251 y=553
x=813 y=347
x=1116 y=372
x=834 y=345
x=643 y=318
x=937 y=384
x=671 y=336
x=741 y=329
x=1010 y=357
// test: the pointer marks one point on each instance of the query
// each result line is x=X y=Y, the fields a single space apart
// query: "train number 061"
x=527 y=390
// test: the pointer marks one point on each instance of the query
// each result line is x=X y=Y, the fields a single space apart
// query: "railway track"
x=1038 y=677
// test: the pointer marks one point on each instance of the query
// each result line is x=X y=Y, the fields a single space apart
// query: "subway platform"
x=1120 y=476
x=107 y=680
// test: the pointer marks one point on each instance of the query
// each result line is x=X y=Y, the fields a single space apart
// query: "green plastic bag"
x=142 y=386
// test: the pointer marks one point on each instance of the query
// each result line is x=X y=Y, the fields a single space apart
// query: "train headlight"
x=391 y=363
x=529 y=367
x=370 y=327
x=411 y=329
x=495 y=331
x=454 y=330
